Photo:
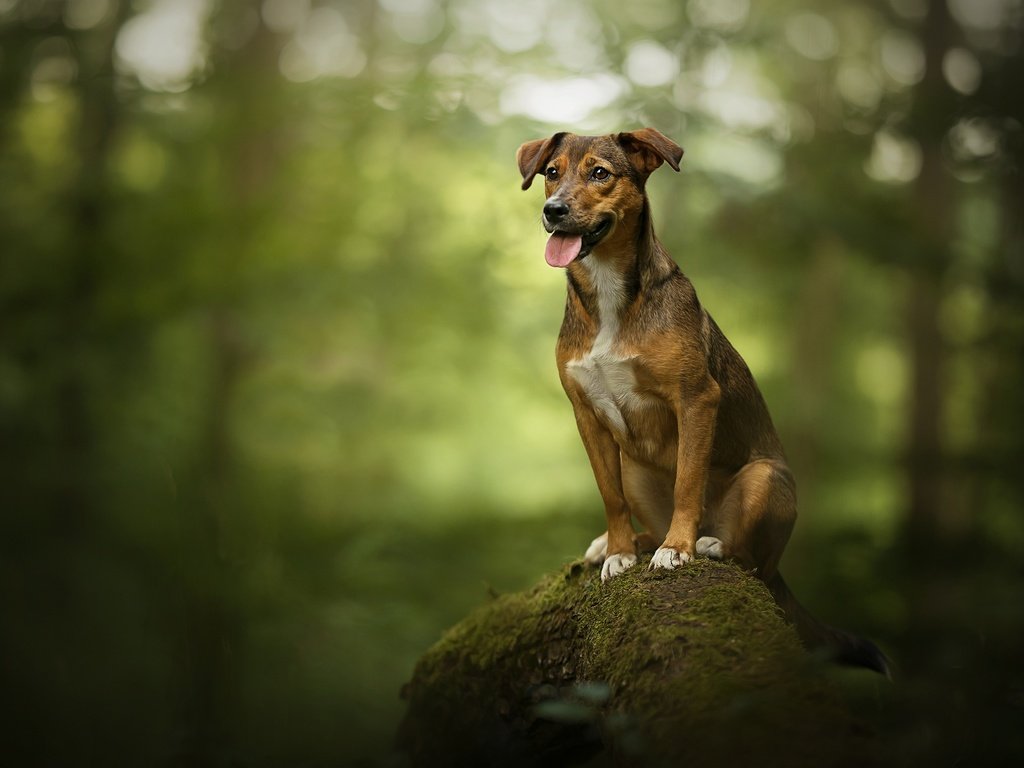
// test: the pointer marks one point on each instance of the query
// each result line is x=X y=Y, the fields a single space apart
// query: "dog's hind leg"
x=710 y=546
x=752 y=522
x=598 y=550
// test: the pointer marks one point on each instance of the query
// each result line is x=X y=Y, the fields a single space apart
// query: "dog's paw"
x=710 y=546
x=669 y=558
x=616 y=564
x=597 y=550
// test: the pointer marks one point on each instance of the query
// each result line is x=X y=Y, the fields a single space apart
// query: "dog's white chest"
x=609 y=384
x=607 y=377
x=641 y=423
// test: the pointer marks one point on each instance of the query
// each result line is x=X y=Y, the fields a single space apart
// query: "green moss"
x=649 y=666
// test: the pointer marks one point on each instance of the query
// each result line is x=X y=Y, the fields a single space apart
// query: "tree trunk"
x=814 y=342
x=99 y=120
x=689 y=667
x=928 y=519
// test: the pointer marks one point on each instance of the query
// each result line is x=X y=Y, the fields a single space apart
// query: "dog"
x=675 y=427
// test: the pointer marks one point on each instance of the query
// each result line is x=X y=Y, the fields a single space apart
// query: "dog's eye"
x=599 y=173
x=551 y=172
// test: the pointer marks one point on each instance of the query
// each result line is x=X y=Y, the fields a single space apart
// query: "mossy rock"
x=690 y=667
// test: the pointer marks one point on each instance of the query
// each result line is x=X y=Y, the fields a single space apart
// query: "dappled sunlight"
x=85 y=14
x=812 y=36
x=962 y=70
x=513 y=27
x=285 y=16
x=323 y=46
x=567 y=101
x=859 y=85
x=650 y=64
x=416 y=21
x=752 y=161
x=902 y=58
x=725 y=16
x=974 y=139
x=163 y=46
x=988 y=15
x=894 y=159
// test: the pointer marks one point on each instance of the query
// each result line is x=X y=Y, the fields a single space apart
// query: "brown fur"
x=676 y=430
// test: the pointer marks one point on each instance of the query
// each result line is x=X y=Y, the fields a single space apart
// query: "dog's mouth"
x=563 y=247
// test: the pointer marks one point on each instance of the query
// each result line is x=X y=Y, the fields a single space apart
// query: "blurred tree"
x=88 y=240
x=931 y=117
x=246 y=144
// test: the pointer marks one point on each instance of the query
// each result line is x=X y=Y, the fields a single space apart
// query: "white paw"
x=615 y=565
x=669 y=558
x=597 y=550
x=710 y=546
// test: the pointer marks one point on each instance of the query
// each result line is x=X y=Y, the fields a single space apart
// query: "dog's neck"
x=609 y=280
x=611 y=295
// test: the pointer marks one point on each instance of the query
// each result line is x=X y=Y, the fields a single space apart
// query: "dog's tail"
x=842 y=647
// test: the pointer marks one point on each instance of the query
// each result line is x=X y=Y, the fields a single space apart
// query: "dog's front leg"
x=696 y=415
x=603 y=453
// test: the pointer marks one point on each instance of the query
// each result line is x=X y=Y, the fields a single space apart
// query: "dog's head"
x=592 y=183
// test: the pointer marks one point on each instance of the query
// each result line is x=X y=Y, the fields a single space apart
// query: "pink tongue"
x=562 y=249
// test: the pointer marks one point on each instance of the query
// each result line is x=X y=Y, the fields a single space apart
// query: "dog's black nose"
x=555 y=210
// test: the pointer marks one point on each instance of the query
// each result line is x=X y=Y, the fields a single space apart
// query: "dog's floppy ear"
x=647 y=149
x=533 y=155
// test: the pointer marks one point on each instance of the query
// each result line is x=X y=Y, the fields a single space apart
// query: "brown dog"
x=677 y=432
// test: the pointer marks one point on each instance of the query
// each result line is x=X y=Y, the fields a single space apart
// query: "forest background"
x=278 y=401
